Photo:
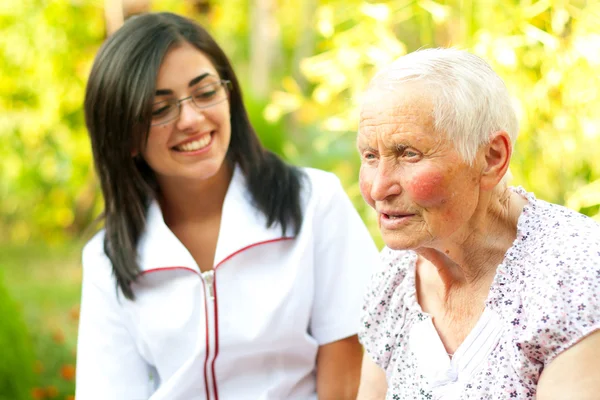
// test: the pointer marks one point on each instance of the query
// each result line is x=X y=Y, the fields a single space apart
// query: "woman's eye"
x=160 y=111
x=369 y=156
x=410 y=153
x=205 y=94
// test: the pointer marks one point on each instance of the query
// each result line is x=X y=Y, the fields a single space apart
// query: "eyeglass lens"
x=203 y=97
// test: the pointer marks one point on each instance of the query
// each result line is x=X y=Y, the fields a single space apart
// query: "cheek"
x=365 y=180
x=156 y=142
x=427 y=188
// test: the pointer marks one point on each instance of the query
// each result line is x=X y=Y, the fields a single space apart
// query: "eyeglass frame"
x=224 y=83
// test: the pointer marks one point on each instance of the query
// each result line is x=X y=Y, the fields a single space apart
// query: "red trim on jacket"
x=216 y=335
x=216 y=309
x=207 y=341
x=229 y=257
x=169 y=268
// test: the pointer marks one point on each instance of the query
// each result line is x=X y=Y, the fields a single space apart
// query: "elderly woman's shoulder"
x=399 y=259
x=561 y=237
x=557 y=228
x=556 y=251
x=394 y=266
x=389 y=299
x=547 y=286
x=555 y=265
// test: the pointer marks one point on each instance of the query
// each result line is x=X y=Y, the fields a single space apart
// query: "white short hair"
x=470 y=101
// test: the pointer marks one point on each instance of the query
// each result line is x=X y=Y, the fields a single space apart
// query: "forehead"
x=182 y=63
x=404 y=110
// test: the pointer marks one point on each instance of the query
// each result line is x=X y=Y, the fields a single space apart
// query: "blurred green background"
x=303 y=65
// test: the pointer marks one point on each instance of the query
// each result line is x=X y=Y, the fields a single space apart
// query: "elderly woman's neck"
x=470 y=257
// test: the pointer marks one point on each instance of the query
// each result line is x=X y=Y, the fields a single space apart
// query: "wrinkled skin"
x=407 y=168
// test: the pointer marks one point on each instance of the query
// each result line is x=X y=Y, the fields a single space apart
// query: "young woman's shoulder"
x=94 y=248
x=318 y=174
x=319 y=178
x=320 y=186
x=96 y=265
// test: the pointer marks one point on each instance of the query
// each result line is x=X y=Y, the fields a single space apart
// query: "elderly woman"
x=484 y=291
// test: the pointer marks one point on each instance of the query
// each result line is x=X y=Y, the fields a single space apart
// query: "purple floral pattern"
x=546 y=292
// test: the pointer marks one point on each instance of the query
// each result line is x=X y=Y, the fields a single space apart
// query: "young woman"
x=221 y=272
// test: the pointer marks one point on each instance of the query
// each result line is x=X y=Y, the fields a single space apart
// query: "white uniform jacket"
x=248 y=329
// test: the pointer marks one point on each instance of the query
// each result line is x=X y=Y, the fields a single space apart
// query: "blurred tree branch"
x=117 y=11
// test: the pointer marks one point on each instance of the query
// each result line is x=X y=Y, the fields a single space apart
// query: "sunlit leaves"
x=587 y=196
x=45 y=52
x=548 y=53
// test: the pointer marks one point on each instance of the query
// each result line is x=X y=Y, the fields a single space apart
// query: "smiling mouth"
x=195 y=145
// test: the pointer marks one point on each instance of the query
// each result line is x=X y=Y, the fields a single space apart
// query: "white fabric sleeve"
x=108 y=363
x=345 y=255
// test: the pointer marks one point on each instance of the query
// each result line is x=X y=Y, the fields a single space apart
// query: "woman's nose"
x=189 y=115
x=386 y=182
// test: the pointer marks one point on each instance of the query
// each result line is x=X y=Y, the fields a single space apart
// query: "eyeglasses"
x=203 y=97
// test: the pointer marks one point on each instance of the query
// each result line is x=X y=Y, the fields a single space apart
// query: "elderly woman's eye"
x=369 y=156
x=410 y=153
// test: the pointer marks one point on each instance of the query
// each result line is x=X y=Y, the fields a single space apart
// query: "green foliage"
x=46 y=186
x=16 y=360
x=45 y=282
x=548 y=56
x=326 y=51
x=54 y=367
x=547 y=51
x=272 y=135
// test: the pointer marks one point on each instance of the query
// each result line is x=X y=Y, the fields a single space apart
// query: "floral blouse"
x=544 y=298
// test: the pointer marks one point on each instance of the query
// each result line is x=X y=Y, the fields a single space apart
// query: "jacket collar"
x=242 y=226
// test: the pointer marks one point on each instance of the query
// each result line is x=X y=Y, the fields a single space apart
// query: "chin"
x=395 y=242
x=210 y=167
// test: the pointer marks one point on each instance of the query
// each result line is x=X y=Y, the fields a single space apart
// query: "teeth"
x=195 y=145
x=394 y=216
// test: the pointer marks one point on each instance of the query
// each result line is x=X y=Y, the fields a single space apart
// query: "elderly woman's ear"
x=496 y=160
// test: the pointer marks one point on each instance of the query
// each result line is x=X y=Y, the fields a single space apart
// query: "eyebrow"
x=360 y=147
x=163 y=92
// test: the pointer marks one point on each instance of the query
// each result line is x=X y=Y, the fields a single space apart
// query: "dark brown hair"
x=118 y=106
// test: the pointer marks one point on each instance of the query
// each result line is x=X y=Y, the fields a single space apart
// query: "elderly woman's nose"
x=385 y=183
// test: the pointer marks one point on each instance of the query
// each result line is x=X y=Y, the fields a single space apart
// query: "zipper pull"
x=209 y=279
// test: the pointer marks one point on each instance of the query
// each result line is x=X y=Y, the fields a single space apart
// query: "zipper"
x=216 y=327
x=212 y=320
x=209 y=280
